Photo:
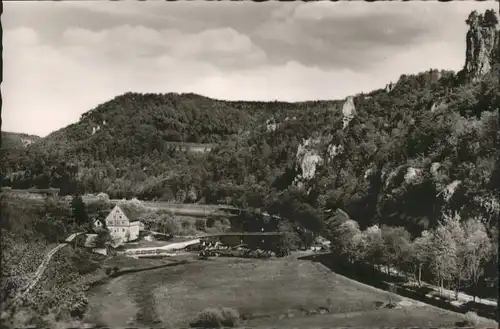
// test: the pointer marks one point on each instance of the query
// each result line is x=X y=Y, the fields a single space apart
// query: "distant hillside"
x=141 y=135
x=400 y=154
x=12 y=140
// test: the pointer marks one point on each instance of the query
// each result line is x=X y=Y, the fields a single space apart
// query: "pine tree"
x=79 y=211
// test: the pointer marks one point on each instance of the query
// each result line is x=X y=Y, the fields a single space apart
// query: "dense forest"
x=430 y=126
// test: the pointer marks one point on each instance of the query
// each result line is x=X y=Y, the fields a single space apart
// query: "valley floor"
x=285 y=291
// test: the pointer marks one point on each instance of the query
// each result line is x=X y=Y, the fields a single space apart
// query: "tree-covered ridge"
x=136 y=135
x=12 y=140
x=426 y=142
x=410 y=181
x=424 y=119
x=421 y=123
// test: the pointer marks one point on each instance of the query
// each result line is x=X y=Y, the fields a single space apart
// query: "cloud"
x=92 y=67
x=224 y=46
x=357 y=35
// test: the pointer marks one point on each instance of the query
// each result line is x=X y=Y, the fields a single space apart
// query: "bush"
x=210 y=222
x=103 y=197
x=208 y=318
x=169 y=225
x=200 y=225
x=230 y=317
x=471 y=319
x=216 y=318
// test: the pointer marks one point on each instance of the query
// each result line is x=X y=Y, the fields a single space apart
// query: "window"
x=123 y=230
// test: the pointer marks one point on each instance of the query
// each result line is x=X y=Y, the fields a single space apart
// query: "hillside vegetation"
x=419 y=159
x=398 y=156
x=17 y=140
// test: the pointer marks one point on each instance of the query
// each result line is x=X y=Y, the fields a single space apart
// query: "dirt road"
x=41 y=269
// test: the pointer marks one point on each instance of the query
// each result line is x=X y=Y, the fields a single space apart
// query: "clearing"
x=265 y=292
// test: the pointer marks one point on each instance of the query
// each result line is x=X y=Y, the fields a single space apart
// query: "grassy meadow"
x=287 y=292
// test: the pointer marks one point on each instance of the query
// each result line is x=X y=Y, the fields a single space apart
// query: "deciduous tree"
x=477 y=250
x=420 y=252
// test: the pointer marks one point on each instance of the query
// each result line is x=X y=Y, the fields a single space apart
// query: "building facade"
x=123 y=225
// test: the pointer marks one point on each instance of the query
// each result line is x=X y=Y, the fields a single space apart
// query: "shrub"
x=208 y=318
x=210 y=222
x=216 y=318
x=230 y=317
x=471 y=319
x=169 y=225
x=200 y=225
x=225 y=222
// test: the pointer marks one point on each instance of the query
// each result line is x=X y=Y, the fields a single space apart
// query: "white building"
x=122 y=223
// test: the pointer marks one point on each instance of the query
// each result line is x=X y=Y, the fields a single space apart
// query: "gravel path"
x=43 y=266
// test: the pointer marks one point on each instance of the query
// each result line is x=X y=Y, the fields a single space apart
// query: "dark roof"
x=129 y=211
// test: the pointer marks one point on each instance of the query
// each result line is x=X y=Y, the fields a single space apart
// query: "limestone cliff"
x=482 y=44
x=349 y=111
x=308 y=158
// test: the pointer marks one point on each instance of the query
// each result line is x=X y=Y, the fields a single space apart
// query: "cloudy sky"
x=62 y=59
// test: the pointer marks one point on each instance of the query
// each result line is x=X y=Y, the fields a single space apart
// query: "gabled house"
x=123 y=224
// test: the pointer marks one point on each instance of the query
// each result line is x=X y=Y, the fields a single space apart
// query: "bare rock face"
x=334 y=150
x=482 y=43
x=450 y=189
x=271 y=125
x=369 y=172
x=412 y=175
x=348 y=110
x=435 y=167
x=308 y=158
x=389 y=87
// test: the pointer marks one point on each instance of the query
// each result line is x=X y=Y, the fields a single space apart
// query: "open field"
x=405 y=317
x=263 y=291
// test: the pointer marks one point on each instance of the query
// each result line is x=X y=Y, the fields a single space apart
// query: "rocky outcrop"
x=482 y=44
x=369 y=172
x=95 y=129
x=349 y=111
x=433 y=107
x=435 y=166
x=334 y=150
x=389 y=87
x=412 y=175
x=308 y=158
x=26 y=142
x=489 y=203
x=271 y=125
x=450 y=189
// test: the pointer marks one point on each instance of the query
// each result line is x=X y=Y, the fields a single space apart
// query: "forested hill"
x=400 y=154
x=135 y=136
x=12 y=140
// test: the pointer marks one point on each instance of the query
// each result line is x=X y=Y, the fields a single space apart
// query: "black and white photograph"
x=240 y=164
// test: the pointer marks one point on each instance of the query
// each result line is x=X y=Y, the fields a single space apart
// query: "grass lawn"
x=406 y=317
x=264 y=291
x=124 y=262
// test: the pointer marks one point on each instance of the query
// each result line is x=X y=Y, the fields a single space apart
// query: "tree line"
x=458 y=253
